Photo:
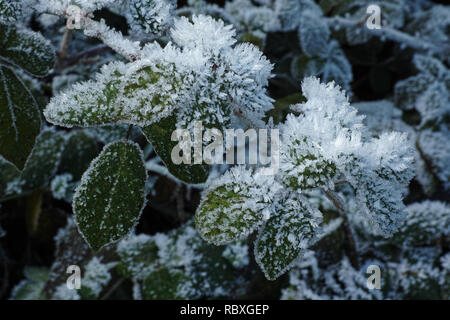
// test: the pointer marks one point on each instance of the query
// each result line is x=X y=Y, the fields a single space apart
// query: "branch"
x=389 y=33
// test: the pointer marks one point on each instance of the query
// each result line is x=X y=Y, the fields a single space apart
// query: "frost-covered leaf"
x=382 y=182
x=109 y=201
x=26 y=49
x=135 y=93
x=180 y=265
x=337 y=281
x=379 y=169
x=292 y=228
x=163 y=284
x=301 y=161
x=10 y=10
x=89 y=103
x=96 y=275
x=333 y=65
x=435 y=149
x=233 y=205
x=150 y=16
x=159 y=135
x=71 y=249
x=427 y=92
x=32 y=287
x=431 y=25
x=290 y=12
x=425 y=221
x=314 y=34
x=392 y=15
x=43 y=161
x=78 y=153
x=63 y=187
x=20 y=121
x=8 y=174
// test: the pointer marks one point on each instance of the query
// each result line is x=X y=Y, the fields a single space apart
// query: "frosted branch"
x=389 y=33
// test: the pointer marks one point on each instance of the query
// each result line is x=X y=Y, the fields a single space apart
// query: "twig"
x=391 y=34
x=353 y=254
x=65 y=43
x=85 y=54
x=130 y=127
x=112 y=289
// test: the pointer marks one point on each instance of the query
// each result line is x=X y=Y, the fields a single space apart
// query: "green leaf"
x=159 y=135
x=291 y=229
x=78 y=153
x=409 y=90
x=26 y=49
x=89 y=103
x=121 y=93
x=314 y=34
x=109 y=201
x=10 y=10
x=8 y=173
x=163 y=284
x=231 y=207
x=43 y=161
x=20 y=120
x=32 y=287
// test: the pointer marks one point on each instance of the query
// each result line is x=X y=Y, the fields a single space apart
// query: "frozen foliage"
x=181 y=265
x=112 y=186
x=32 y=287
x=234 y=205
x=170 y=80
x=96 y=276
x=339 y=281
x=414 y=270
x=435 y=149
x=379 y=169
x=427 y=92
x=314 y=34
x=326 y=141
x=290 y=12
x=425 y=222
x=150 y=16
x=291 y=229
x=62 y=188
x=252 y=20
x=329 y=63
x=333 y=208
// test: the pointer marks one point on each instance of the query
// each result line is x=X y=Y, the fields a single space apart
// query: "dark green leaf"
x=108 y=202
x=20 y=120
x=26 y=49
x=159 y=135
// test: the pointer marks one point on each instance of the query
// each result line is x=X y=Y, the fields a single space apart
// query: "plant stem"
x=129 y=132
x=353 y=251
x=65 y=43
